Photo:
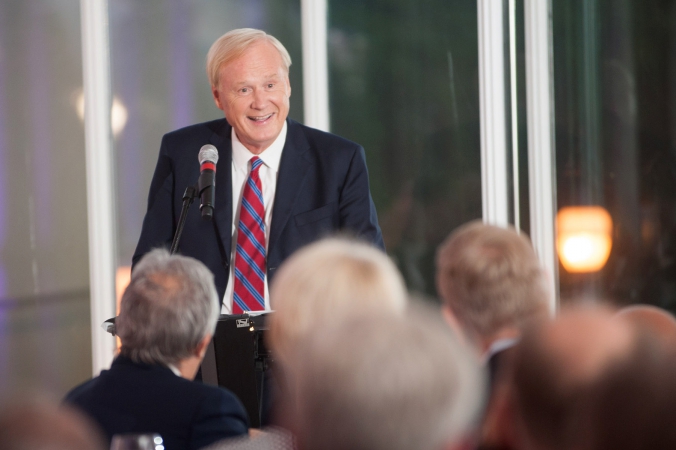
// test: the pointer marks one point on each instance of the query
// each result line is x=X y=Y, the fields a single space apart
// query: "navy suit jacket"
x=322 y=187
x=141 y=398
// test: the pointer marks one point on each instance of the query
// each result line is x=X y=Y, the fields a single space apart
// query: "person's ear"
x=217 y=99
x=201 y=348
x=451 y=319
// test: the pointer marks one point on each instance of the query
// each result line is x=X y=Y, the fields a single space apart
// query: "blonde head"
x=233 y=44
x=490 y=278
x=326 y=282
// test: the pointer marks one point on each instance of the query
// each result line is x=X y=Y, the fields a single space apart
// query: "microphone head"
x=208 y=153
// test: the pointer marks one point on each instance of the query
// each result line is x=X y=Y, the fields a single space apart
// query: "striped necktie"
x=249 y=291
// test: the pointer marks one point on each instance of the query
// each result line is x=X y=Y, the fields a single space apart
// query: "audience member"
x=42 y=425
x=325 y=282
x=555 y=367
x=272 y=438
x=652 y=319
x=320 y=285
x=491 y=283
x=633 y=407
x=386 y=383
x=167 y=317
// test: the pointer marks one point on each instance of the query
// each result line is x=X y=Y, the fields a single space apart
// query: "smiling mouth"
x=260 y=118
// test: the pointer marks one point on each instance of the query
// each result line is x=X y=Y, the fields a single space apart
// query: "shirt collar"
x=270 y=156
x=174 y=369
x=498 y=346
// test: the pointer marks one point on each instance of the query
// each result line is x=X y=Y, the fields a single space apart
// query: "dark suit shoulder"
x=212 y=126
x=202 y=390
x=194 y=136
x=135 y=397
x=324 y=140
x=79 y=391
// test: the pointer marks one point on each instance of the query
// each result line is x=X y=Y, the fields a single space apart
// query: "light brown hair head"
x=490 y=278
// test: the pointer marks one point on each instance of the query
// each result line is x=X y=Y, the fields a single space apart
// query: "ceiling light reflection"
x=118 y=112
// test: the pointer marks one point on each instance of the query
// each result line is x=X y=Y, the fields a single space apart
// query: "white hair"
x=386 y=383
x=326 y=281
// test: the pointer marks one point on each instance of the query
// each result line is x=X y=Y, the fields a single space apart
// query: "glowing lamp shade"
x=584 y=238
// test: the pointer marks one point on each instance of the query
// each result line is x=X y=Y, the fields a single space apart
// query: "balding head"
x=583 y=342
x=651 y=319
x=554 y=367
x=633 y=407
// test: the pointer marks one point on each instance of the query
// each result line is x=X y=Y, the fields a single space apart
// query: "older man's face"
x=253 y=91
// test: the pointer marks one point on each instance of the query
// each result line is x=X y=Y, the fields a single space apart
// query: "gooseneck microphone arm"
x=188 y=197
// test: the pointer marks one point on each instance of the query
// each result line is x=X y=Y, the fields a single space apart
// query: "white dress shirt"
x=268 y=175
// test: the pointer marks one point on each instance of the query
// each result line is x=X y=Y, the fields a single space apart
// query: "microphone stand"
x=188 y=197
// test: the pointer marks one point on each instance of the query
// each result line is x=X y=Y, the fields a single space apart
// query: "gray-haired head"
x=170 y=305
x=389 y=383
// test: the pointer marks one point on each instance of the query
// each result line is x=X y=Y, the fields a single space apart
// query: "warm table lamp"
x=584 y=238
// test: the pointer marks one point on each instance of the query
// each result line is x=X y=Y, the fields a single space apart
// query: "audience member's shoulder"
x=77 y=391
x=81 y=391
x=201 y=388
x=220 y=397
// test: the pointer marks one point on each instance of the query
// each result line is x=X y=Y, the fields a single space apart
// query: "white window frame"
x=494 y=180
x=540 y=106
x=100 y=181
x=540 y=120
x=315 y=64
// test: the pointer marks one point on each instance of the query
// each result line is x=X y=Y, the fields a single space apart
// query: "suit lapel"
x=223 y=211
x=293 y=168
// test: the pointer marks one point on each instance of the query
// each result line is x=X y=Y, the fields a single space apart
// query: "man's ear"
x=201 y=348
x=217 y=99
x=451 y=319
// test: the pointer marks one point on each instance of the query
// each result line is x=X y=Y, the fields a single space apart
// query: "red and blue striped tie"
x=249 y=292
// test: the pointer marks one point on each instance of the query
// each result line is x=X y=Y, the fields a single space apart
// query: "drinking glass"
x=144 y=441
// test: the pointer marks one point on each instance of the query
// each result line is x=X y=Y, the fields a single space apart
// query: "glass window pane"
x=404 y=84
x=44 y=275
x=615 y=113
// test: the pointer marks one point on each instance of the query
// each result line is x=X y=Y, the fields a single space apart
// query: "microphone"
x=208 y=158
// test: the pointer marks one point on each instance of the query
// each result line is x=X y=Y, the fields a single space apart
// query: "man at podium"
x=278 y=184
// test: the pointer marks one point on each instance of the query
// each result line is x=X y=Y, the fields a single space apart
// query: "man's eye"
x=244 y=90
x=271 y=85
